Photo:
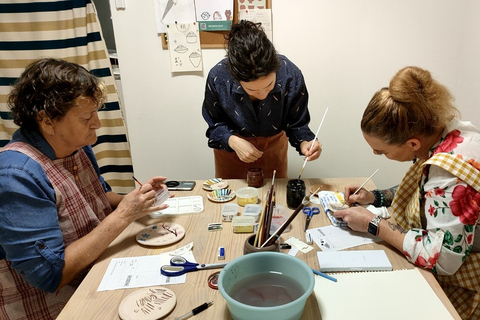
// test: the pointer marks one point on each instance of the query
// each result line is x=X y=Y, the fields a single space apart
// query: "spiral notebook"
x=353 y=260
x=394 y=295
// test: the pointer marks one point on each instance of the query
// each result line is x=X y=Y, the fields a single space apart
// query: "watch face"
x=372 y=229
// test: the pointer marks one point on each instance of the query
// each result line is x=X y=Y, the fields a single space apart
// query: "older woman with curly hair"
x=437 y=205
x=57 y=214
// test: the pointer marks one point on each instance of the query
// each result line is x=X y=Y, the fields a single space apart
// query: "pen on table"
x=326 y=276
x=311 y=147
x=195 y=311
x=361 y=186
x=137 y=181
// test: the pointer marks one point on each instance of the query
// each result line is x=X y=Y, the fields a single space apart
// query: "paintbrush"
x=311 y=147
x=361 y=186
x=279 y=231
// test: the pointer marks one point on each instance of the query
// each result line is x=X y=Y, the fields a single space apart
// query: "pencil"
x=326 y=276
x=137 y=181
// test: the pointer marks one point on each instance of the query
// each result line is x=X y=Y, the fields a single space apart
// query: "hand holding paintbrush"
x=360 y=188
x=313 y=143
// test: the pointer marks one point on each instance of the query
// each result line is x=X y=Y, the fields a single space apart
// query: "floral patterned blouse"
x=449 y=207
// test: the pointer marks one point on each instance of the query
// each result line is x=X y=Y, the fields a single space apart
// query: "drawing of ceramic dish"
x=195 y=59
x=214 y=184
x=221 y=195
x=181 y=49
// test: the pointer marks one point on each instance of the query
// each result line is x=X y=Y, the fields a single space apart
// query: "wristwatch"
x=373 y=225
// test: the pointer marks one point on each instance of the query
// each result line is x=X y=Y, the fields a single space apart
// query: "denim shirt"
x=227 y=108
x=28 y=213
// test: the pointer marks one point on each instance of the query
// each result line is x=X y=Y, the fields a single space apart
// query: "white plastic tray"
x=181 y=205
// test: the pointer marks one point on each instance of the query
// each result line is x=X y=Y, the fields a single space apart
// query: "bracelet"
x=378 y=198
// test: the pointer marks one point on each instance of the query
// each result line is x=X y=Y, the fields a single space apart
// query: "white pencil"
x=311 y=147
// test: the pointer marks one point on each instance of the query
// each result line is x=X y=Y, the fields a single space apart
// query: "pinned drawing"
x=169 y=11
x=184 y=47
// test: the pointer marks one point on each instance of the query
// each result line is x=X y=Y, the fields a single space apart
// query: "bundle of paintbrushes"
x=265 y=221
x=271 y=240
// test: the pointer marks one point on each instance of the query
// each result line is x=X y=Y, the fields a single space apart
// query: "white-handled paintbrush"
x=311 y=147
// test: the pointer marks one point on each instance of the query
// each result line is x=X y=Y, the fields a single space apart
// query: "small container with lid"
x=252 y=210
x=229 y=210
x=255 y=177
x=295 y=193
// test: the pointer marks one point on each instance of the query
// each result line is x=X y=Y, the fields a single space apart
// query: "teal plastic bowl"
x=261 y=263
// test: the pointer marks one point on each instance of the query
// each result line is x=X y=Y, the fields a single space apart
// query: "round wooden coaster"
x=161 y=234
x=147 y=304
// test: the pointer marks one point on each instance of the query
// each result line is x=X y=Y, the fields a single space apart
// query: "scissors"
x=180 y=265
x=310 y=212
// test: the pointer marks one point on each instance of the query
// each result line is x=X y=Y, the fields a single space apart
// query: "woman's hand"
x=245 y=151
x=363 y=196
x=311 y=154
x=140 y=202
x=357 y=218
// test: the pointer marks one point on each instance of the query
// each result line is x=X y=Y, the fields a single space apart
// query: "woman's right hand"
x=363 y=196
x=139 y=203
x=245 y=151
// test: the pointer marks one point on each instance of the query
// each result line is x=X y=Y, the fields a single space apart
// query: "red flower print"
x=439 y=192
x=452 y=139
x=431 y=210
x=470 y=238
x=421 y=262
x=465 y=204
x=433 y=260
x=407 y=255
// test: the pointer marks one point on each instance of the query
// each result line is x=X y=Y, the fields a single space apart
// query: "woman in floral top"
x=436 y=207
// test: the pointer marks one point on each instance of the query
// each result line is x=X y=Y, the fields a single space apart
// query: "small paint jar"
x=255 y=177
x=295 y=193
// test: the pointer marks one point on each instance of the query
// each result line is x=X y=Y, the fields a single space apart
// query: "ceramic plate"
x=323 y=187
x=221 y=195
x=215 y=184
x=147 y=304
x=161 y=234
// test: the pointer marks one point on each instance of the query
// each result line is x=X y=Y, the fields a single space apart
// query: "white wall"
x=347 y=50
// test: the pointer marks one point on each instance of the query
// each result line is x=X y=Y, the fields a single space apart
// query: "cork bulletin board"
x=214 y=39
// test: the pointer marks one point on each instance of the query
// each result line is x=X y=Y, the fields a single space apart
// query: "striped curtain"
x=69 y=30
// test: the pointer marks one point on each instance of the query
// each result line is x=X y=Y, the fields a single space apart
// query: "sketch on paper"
x=251 y=4
x=169 y=11
x=184 y=47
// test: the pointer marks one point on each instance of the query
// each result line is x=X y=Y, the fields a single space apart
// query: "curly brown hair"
x=413 y=104
x=52 y=85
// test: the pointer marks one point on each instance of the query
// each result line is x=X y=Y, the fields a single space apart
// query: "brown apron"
x=274 y=148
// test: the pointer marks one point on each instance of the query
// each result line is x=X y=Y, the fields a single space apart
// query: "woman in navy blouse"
x=255 y=102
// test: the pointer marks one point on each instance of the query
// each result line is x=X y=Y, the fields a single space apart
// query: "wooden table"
x=87 y=303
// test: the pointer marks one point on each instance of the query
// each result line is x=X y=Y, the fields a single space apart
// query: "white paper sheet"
x=136 y=272
x=184 y=46
x=263 y=16
x=393 y=295
x=169 y=11
x=338 y=238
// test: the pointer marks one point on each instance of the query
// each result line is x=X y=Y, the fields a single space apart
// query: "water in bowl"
x=266 y=290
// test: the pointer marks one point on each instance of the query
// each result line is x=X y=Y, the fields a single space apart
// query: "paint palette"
x=214 y=184
x=221 y=195
x=180 y=205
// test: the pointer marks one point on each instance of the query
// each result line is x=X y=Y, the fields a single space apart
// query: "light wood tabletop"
x=88 y=303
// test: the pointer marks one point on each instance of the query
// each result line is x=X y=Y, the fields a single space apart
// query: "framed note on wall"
x=216 y=39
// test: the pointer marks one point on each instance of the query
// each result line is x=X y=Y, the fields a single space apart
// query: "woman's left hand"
x=311 y=154
x=157 y=183
x=357 y=218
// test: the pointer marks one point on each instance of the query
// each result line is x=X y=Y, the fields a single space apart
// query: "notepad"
x=395 y=295
x=359 y=260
